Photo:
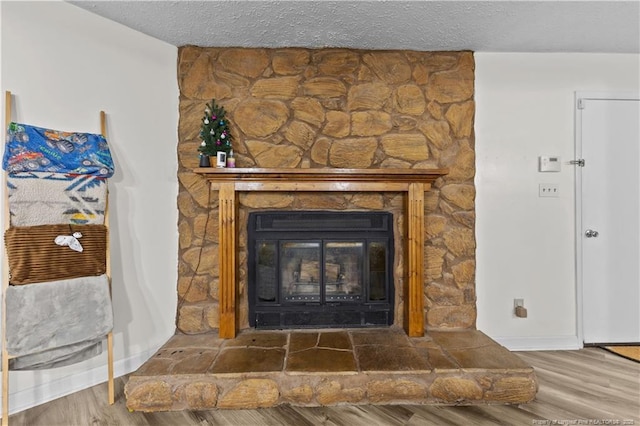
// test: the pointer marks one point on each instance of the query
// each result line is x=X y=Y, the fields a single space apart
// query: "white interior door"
x=609 y=218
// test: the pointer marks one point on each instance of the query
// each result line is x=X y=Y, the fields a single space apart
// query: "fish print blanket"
x=36 y=149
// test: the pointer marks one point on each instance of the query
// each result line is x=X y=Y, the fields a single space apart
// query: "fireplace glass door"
x=320 y=272
x=324 y=269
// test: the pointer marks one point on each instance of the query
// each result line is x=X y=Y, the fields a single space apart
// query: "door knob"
x=590 y=233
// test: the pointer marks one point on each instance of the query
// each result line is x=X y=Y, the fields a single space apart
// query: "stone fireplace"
x=343 y=131
x=332 y=108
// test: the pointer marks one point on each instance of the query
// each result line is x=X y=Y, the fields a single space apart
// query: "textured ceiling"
x=489 y=26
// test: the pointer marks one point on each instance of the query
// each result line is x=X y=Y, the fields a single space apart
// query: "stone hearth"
x=324 y=367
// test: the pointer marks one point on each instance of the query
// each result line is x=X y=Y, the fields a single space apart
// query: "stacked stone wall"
x=335 y=108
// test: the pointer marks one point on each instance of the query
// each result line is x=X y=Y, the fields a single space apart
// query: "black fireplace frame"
x=321 y=226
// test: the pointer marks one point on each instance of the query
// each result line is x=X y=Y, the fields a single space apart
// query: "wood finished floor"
x=588 y=386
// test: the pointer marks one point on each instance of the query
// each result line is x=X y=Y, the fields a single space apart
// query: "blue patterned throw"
x=35 y=149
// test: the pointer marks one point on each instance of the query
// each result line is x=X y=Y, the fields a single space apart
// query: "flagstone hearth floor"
x=329 y=367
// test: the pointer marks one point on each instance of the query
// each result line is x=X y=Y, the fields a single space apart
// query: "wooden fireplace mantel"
x=229 y=181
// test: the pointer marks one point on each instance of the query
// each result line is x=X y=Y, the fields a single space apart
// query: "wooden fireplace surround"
x=229 y=181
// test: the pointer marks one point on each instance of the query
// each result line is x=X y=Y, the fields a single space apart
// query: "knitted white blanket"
x=39 y=198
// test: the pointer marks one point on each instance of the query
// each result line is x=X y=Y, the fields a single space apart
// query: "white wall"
x=525 y=244
x=63 y=65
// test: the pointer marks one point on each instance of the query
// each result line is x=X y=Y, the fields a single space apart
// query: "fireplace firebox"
x=320 y=269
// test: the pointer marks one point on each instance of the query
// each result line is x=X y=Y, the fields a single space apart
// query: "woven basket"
x=34 y=256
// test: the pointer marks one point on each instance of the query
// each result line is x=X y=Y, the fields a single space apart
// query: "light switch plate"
x=548 y=190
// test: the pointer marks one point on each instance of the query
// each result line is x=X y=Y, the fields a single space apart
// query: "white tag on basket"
x=70 y=240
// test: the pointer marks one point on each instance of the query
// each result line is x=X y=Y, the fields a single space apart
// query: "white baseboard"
x=45 y=392
x=551 y=343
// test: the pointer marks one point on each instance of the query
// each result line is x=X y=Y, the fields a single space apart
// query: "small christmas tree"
x=214 y=132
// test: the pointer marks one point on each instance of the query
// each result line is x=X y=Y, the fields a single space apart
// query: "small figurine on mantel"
x=215 y=135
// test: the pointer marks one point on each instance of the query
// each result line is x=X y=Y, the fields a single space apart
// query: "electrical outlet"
x=518 y=308
x=521 y=312
x=548 y=190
